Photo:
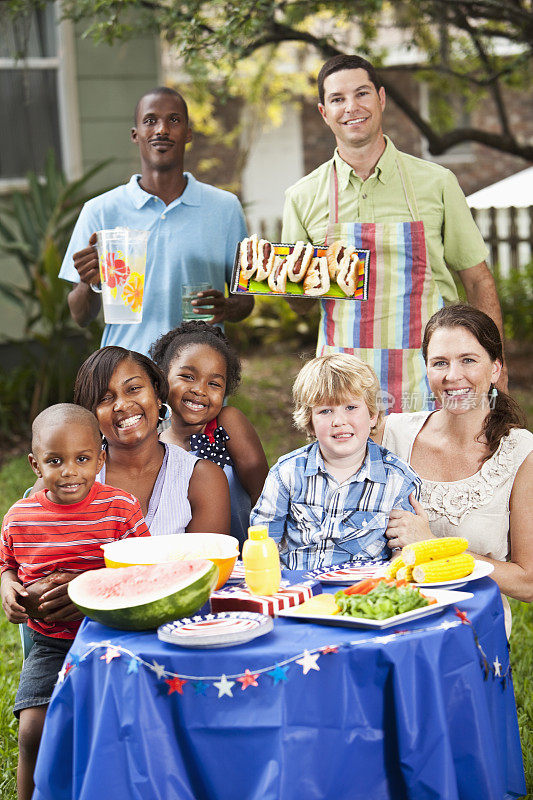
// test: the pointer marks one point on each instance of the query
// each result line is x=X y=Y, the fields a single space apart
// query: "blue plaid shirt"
x=319 y=521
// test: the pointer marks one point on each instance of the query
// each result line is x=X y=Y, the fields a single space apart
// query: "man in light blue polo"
x=194 y=229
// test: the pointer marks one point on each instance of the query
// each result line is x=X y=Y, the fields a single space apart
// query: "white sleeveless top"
x=169 y=510
x=477 y=507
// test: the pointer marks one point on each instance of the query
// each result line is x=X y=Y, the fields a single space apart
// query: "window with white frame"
x=29 y=112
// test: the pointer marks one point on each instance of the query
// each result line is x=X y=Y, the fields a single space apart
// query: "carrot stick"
x=363 y=587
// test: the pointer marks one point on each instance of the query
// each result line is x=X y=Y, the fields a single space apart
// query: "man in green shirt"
x=412 y=216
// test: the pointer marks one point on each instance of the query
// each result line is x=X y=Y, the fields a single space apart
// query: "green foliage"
x=265 y=395
x=16 y=387
x=275 y=326
x=516 y=298
x=455 y=47
x=15 y=477
x=10 y=663
x=522 y=663
x=35 y=230
x=259 y=85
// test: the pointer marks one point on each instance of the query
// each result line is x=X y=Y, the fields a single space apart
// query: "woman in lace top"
x=202 y=369
x=473 y=455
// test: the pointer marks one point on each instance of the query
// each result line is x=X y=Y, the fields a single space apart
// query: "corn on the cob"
x=431 y=549
x=444 y=569
x=394 y=566
x=405 y=574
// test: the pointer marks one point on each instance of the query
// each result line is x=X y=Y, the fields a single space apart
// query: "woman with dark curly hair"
x=202 y=369
x=474 y=456
x=127 y=392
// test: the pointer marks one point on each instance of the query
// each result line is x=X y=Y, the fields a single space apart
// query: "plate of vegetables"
x=378 y=603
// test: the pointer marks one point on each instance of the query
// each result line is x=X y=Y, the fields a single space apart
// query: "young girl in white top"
x=474 y=455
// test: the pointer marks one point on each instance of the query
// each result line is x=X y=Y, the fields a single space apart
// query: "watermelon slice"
x=143 y=597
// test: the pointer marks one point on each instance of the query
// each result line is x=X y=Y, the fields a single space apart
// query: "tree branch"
x=494 y=85
x=466 y=77
x=437 y=143
x=481 y=20
x=486 y=9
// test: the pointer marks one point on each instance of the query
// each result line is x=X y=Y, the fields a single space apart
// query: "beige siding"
x=109 y=81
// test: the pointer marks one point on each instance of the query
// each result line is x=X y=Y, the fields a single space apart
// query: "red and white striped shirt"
x=39 y=536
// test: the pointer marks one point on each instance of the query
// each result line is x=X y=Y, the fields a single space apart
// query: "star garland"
x=488 y=667
x=169 y=682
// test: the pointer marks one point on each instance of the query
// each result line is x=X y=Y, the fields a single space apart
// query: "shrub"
x=272 y=325
x=36 y=227
x=516 y=298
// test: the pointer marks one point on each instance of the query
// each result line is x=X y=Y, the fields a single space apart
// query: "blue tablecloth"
x=388 y=715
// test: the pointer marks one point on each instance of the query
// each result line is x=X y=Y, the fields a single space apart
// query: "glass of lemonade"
x=189 y=292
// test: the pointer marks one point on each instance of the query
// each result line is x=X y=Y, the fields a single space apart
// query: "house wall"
x=269 y=170
x=488 y=165
x=110 y=80
x=99 y=87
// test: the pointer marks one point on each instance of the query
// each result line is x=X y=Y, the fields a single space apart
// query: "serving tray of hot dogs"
x=290 y=270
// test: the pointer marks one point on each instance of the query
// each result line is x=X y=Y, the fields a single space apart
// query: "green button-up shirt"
x=452 y=237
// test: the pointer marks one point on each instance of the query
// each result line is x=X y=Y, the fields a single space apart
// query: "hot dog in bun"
x=265 y=260
x=347 y=276
x=335 y=255
x=316 y=282
x=298 y=261
x=249 y=256
x=277 y=280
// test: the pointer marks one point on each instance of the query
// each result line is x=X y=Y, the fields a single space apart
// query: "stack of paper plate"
x=216 y=630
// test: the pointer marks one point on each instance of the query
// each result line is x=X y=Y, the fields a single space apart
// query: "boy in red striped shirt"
x=64 y=525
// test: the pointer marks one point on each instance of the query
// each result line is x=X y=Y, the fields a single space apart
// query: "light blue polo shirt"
x=192 y=240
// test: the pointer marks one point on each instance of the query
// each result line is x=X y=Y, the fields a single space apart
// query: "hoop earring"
x=163 y=416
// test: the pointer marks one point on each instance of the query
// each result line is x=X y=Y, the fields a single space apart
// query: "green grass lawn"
x=265 y=398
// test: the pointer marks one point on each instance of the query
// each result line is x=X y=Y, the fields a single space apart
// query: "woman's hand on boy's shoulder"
x=12 y=590
x=406 y=527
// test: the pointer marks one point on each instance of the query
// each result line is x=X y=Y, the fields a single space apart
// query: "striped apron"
x=385 y=330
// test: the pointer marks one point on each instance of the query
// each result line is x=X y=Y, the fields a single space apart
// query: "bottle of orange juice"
x=261 y=561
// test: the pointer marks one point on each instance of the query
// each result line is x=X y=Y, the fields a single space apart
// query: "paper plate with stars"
x=349 y=572
x=216 y=630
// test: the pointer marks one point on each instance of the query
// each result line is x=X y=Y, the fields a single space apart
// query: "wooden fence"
x=508 y=233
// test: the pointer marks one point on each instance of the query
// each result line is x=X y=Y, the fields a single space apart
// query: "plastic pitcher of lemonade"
x=122 y=259
x=260 y=557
